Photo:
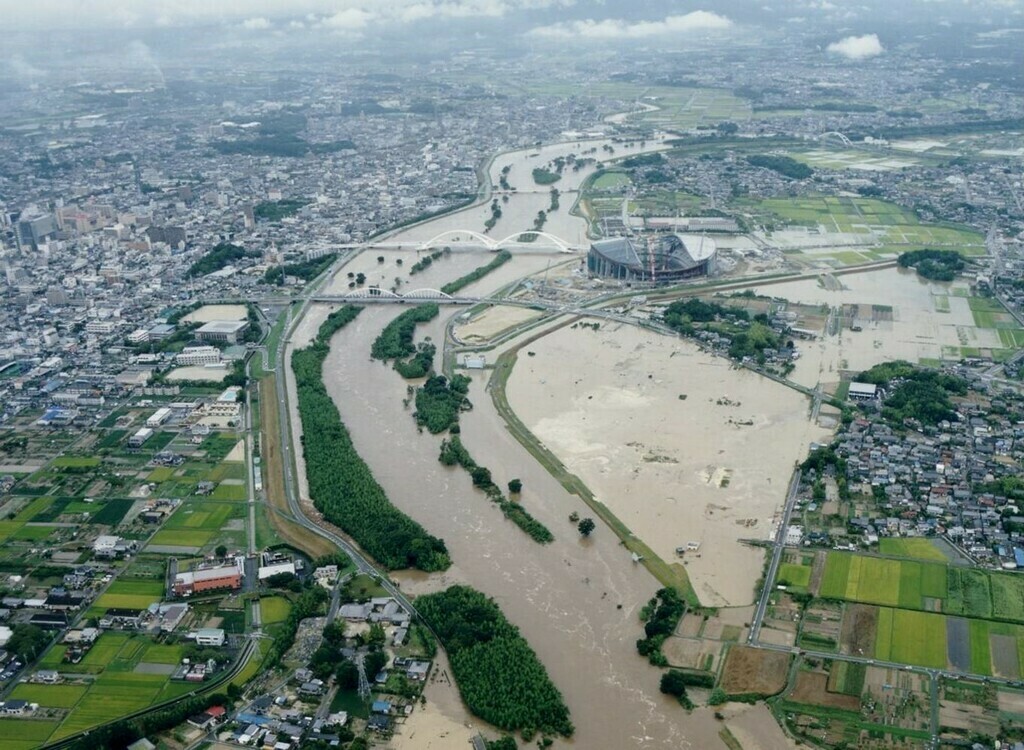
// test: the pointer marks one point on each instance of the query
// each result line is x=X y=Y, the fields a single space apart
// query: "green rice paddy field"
x=894 y=583
x=117 y=689
x=890 y=224
x=932 y=614
x=917 y=549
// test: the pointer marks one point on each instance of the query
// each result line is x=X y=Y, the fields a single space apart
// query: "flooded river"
x=518 y=214
x=576 y=601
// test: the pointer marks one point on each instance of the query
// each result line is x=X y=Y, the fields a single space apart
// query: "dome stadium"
x=661 y=259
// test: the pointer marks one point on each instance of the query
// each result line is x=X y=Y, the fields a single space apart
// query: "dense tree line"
x=425 y=262
x=503 y=257
x=420 y=364
x=753 y=341
x=216 y=258
x=643 y=160
x=309 y=603
x=673 y=682
x=937 y=265
x=454 y=453
x=395 y=341
x=924 y=397
x=498 y=674
x=341 y=484
x=493 y=218
x=783 y=165
x=277 y=210
x=681 y=313
x=544 y=176
x=661 y=616
x=28 y=641
x=885 y=372
x=439 y=402
x=304 y=269
x=915 y=393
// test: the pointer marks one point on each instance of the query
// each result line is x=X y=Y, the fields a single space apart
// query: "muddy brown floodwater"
x=576 y=601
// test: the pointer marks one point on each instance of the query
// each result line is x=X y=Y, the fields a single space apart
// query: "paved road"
x=362 y=563
x=773 y=566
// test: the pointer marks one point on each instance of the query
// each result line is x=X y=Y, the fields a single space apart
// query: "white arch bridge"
x=469 y=237
x=376 y=294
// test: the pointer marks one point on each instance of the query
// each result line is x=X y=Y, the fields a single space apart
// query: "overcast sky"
x=596 y=17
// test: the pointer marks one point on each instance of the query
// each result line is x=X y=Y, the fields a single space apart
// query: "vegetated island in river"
x=503 y=257
x=498 y=674
x=439 y=402
x=340 y=483
x=395 y=342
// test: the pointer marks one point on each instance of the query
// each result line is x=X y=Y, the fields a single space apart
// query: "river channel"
x=576 y=601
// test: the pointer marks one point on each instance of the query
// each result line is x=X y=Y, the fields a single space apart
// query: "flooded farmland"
x=576 y=601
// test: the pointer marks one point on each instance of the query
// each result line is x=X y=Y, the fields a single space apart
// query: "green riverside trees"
x=340 y=483
x=498 y=674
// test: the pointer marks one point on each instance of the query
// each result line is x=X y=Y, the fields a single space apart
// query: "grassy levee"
x=276 y=505
x=671 y=575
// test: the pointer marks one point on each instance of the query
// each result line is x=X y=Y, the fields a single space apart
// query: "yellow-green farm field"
x=24 y=734
x=916 y=548
x=876 y=580
x=131 y=595
x=911 y=637
x=50 y=696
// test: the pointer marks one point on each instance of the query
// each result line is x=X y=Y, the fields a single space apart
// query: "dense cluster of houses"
x=941 y=480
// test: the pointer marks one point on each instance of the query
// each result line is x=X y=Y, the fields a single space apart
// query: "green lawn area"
x=611 y=181
x=76 y=462
x=251 y=668
x=970 y=593
x=107 y=701
x=181 y=537
x=274 y=609
x=160 y=653
x=837 y=573
x=9 y=529
x=23 y=734
x=160 y=474
x=798 y=576
x=917 y=638
x=203 y=514
x=34 y=533
x=889 y=224
x=917 y=548
x=131 y=595
x=50 y=696
x=34 y=508
x=231 y=492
